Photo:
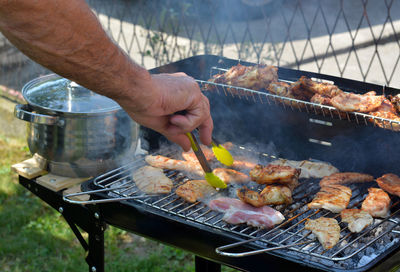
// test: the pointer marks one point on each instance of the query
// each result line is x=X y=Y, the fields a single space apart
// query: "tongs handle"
x=67 y=198
x=220 y=250
x=199 y=153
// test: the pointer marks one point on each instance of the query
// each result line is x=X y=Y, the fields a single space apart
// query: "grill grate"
x=298 y=105
x=291 y=231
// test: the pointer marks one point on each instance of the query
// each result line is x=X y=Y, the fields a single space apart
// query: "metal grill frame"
x=173 y=206
x=296 y=104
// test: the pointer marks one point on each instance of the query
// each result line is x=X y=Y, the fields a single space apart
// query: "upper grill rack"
x=297 y=105
x=291 y=231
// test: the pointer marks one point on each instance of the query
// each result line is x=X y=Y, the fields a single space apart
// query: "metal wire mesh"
x=353 y=39
x=345 y=255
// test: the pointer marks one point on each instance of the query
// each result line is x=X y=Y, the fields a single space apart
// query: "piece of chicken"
x=231 y=176
x=193 y=190
x=152 y=180
x=255 y=77
x=357 y=102
x=395 y=101
x=300 y=92
x=172 y=164
x=334 y=198
x=387 y=111
x=326 y=229
x=191 y=157
x=357 y=219
x=322 y=88
x=270 y=195
x=321 y=99
x=243 y=165
x=345 y=178
x=285 y=90
x=309 y=169
x=280 y=88
x=390 y=183
x=377 y=203
x=274 y=174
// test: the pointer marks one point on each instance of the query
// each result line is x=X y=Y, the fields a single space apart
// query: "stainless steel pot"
x=79 y=132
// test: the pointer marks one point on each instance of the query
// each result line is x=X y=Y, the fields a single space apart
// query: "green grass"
x=34 y=237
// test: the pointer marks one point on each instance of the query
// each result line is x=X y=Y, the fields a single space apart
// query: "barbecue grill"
x=263 y=127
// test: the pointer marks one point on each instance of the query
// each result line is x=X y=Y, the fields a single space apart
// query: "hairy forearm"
x=66 y=37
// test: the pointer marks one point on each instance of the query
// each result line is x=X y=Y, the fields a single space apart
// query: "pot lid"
x=56 y=93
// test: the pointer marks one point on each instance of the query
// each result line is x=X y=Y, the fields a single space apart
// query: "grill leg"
x=203 y=265
x=95 y=257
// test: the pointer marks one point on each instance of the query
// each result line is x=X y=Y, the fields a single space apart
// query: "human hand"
x=164 y=95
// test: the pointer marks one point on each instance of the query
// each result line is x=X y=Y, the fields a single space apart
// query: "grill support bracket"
x=86 y=217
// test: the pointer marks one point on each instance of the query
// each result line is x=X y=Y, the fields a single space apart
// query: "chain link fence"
x=357 y=39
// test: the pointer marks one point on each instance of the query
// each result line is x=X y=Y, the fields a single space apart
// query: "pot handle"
x=23 y=112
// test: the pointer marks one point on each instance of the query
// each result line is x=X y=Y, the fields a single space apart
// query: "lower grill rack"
x=287 y=239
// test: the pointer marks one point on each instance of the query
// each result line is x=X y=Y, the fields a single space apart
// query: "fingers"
x=181 y=140
x=174 y=93
x=205 y=130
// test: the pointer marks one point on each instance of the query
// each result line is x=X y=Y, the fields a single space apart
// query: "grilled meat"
x=222 y=204
x=376 y=203
x=152 y=180
x=172 y=164
x=388 y=111
x=270 y=195
x=334 y=198
x=326 y=229
x=252 y=77
x=241 y=164
x=274 y=174
x=357 y=219
x=281 y=89
x=231 y=176
x=321 y=99
x=309 y=169
x=345 y=178
x=238 y=212
x=193 y=190
x=357 y=102
x=390 y=183
x=395 y=101
x=285 y=90
x=324 y=89
x=191 y=157
x=300 y=92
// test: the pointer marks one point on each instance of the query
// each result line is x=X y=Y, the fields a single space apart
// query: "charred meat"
x=270 y=195
x=345 y=178
x=274 y=174
x=256 y=77
x=334 y=198
x=357 y=102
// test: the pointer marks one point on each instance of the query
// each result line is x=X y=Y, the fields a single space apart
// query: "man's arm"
x=67 y=38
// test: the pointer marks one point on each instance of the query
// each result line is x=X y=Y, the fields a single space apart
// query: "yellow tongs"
x=210 y=177
x=221 y=153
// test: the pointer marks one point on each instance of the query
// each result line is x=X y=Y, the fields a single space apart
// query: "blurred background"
x=356 y=39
